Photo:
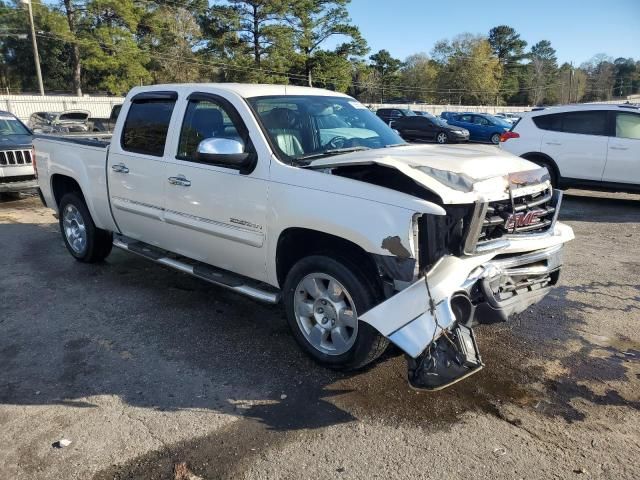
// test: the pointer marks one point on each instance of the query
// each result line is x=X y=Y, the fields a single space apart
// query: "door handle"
x=553 y=143
x=619 y=148
x=180 y=180
x=120 y=168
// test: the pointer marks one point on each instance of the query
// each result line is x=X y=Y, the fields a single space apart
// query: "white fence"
x=438 y=109
x=22 y=106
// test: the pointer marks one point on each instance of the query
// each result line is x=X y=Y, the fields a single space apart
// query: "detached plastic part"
x=451 y=358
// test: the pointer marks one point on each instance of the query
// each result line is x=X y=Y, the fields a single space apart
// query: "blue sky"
x=577 y=29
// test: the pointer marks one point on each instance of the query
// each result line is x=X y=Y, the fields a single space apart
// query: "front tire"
x=442 y=138
x=322 y=298
x=495 y=138
x=85 y=242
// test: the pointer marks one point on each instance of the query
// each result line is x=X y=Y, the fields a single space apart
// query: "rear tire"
x=323 y=319
x=85 y=242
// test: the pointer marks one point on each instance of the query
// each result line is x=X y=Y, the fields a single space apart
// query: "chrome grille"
x=526 y=214
x=495 y=222
x=15 y=158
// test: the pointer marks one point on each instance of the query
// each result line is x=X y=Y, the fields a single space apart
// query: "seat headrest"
x=281 y=118
x=208 y=122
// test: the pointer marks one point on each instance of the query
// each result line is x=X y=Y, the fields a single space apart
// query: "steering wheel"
x=337 y=142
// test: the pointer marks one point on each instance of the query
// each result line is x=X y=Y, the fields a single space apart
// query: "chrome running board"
x=217 y=276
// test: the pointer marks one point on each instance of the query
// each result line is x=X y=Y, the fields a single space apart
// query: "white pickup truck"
x=305 y=196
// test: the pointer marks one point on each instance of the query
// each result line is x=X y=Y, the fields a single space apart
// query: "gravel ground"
x=153 y=374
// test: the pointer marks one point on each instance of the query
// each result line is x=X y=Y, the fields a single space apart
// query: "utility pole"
x=571 y=83
x=36 y=57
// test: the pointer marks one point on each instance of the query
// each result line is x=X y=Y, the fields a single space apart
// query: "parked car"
x=367 y=240
x=508 y=117
x=447 y=115
x=482 y=127
x=430 y=128
x=593 y=146
x=69 y=121
x=391 y=114
x=106 y=124
x=16 y=155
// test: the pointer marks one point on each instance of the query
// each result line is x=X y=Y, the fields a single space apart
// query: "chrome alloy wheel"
x=325 y=314
x=74 y=229
x=441 y=138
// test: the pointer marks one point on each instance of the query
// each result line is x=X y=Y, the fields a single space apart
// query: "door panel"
x=136 y=169
x=215 y=214
x=577 y=156
x=623 y=157
x=579 y=148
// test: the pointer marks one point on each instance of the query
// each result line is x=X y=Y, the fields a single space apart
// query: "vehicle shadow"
x=161 y=340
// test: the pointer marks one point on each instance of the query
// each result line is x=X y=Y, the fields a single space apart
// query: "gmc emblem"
x=523 y=219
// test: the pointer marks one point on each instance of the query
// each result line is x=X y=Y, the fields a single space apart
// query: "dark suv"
x=16 y=155
x=391 y=114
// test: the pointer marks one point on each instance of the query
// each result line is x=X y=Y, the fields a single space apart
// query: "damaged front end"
x=478 y=264
x=430 y=321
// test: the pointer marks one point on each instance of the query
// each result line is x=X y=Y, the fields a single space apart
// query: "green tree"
x=508 y=47
x=625 y=73
x=600 y=72
x=171 y=36
x=313 y=22
x=469 y=72
x=542 y=72
x=113 y=59
x=260 y=24
x=18 y=67
x=419 y=77
x=388 y=69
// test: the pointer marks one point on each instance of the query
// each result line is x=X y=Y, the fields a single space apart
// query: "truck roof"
x=245 y=90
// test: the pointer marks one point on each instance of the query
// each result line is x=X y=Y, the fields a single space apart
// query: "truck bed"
x=87 y=139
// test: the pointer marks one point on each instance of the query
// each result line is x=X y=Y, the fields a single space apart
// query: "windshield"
x=11 y=126
x=315 y=126
x=439 y=121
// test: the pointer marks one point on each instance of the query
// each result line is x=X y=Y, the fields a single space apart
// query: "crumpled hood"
x=483 y=166
x=478 y=162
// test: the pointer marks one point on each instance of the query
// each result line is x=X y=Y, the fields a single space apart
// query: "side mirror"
x=225 y=152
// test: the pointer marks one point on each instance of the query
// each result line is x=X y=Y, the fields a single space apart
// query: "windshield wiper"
x=396 y=145
x=333 y=151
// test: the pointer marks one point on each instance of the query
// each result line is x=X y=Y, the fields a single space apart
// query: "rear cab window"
x=147 y=123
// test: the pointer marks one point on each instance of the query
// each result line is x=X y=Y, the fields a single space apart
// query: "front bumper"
x=465 y=291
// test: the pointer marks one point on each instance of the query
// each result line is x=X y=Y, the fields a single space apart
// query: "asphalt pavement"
x=153 y=374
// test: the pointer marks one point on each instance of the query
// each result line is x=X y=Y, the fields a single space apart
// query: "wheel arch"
x=295 y=243
x=63 y=184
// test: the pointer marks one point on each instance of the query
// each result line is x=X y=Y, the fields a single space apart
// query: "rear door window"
x=585 y=123
x=592 y=122
x=145 y=129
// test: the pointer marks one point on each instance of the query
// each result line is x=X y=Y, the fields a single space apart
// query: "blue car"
x=482 y=127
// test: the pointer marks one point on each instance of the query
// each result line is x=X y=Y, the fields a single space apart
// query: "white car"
x=592 y=146
x=364 y=238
